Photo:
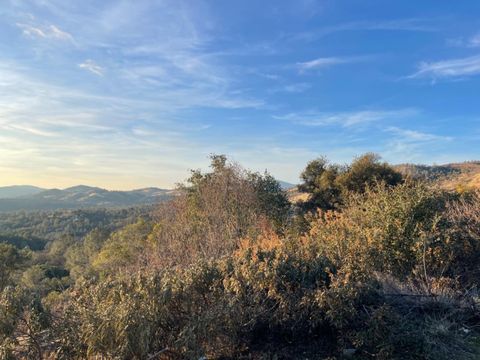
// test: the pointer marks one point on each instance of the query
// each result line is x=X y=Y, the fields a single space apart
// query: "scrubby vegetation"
x=370 y=266
x=459 y=177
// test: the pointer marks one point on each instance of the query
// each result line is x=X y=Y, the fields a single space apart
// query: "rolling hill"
x=11 y=192
x=286 y=185
x=454 y=176
x=79 y=197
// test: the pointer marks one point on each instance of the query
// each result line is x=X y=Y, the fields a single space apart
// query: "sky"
x=129 y=94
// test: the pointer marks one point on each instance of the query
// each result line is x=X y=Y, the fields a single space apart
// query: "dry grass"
x=296 y=196
x=458 y=177
x=468 y=177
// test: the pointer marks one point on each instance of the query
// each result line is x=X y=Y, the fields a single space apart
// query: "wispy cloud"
x=322 y=62
x=346 y=119
x=407 y=24
x=296 y=88
x=91 y=66
x=468 y=42
x=45 y=32
x=453 y=68
x=326 y=62
x=417 y=136
x=414 y=145
x=28 y=128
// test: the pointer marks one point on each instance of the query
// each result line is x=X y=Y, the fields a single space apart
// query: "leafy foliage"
x=215 y=211
x=11 y=259
x=329 y=184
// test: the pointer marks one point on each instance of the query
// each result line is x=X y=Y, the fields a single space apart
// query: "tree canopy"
x=327 y=184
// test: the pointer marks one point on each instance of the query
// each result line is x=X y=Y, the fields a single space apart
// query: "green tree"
x=365 y=171
x=124 y=248
x=272 y=199
x=11 y=259
x=80 y=256
x=232 y=185
x=319 y=181
x=58 y=248
x=329 y=184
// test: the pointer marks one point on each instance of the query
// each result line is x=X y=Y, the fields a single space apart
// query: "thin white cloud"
x=296 y=88
x=468 y=42
x=31 y=130
x=413 y=145
x=91 y=66
x=417 y=136
x=59 y=34
x=411 y=24
x=408 y=24
x=346 y=119
x=45 y=32
x=324 y=62
x=454 y=68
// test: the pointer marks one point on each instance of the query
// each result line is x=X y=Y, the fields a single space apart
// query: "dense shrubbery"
x=390 y=273
x=214 y=212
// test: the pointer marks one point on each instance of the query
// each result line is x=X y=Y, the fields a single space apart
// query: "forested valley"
x=366 y=261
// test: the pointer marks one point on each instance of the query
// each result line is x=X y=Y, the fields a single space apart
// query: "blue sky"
x=127 y=94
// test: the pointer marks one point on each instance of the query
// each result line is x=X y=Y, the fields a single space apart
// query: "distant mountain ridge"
x=286 y=185
x=9 y=192
x=32 y=198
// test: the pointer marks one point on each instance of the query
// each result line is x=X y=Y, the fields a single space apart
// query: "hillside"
x=34 y=228
x=454 y=176
x=286 y=185
x=296 y=196
x=82 y=197
x=10 y=192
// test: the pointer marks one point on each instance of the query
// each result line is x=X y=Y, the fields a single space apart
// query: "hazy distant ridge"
x=9 y=192
x=31 y=198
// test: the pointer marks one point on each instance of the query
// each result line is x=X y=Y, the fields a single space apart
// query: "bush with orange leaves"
x=214 y=211
x=265 y=293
